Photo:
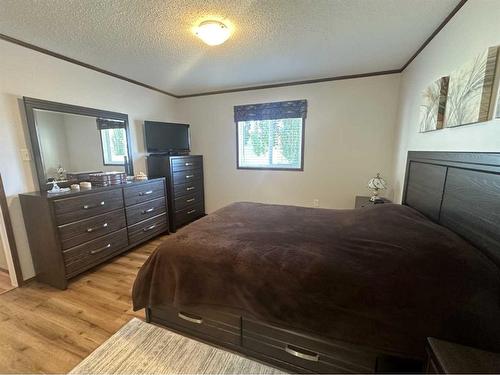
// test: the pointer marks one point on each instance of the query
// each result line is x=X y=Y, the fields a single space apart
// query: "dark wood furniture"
x=184 y=176
x=71 y=232
x=364 y=201
x=291 y=350
x=448 y=358
x=460 y=191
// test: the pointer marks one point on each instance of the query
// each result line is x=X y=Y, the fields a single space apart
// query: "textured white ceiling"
x=273 y=41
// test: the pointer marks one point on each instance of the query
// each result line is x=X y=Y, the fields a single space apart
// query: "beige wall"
x=349 y=136
x=473 y=29
x=28 y=73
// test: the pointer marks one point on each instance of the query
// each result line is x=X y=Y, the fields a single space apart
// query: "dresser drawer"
x=147 y=228
x=188 y=188
x=76 y=233
x=188 y=214
x=79 y=257
x=183 y=177
x=220 y=327
x=87 y=205
x=186 y=163
x=146 y=210
x=305 y=351
x=143 y=193
x=188 y=200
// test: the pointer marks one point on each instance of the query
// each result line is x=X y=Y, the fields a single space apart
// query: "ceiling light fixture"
x=213 y=33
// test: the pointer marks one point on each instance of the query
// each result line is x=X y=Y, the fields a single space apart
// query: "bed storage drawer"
x=145 y=210
x=219 y=327
x=307 y=352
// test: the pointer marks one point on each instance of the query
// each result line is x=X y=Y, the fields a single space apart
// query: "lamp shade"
x=377 y=183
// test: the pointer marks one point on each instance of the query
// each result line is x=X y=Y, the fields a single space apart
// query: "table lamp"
x=377 y=183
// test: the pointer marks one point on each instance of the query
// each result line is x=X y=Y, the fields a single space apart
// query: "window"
x=270 y=143
x=113 y=141
x=271 y=135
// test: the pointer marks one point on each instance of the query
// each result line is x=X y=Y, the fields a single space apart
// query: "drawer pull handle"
x=146 y=192
x=149 y=228
x=191 y=319
x=301 y=353
x=190 y=176
x=88 y=206
x=148 y=210
x=190 y=188
x=105 y=225
x=190 y=200
x=191 y=212
x=188 y=164
x=92 y=252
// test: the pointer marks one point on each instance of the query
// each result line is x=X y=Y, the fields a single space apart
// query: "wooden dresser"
x=184 y=174
x=71 y=232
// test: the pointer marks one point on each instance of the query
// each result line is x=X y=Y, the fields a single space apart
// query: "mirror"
x=70 y=142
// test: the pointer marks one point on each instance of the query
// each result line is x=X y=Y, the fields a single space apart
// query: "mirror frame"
x=30 y=104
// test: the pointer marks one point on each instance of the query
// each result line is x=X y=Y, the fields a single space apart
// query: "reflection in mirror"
x=74 y=145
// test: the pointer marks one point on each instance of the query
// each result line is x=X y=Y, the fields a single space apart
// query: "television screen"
x=166 y=136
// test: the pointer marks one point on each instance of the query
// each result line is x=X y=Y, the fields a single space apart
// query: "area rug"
x=142 y=348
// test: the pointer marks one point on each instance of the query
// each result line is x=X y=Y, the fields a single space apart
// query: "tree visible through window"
x=270 y=143
x=114 y=146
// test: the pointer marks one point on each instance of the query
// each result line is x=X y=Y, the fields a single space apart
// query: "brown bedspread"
x=384 y=276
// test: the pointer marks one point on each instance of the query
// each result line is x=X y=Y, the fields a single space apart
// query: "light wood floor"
x=5 y=283
x=43 y=329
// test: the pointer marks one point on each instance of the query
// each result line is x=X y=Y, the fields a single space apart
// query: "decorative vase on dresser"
x=70 y=232
x=184 y=176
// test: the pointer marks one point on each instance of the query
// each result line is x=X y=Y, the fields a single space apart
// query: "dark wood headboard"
x=458 y=190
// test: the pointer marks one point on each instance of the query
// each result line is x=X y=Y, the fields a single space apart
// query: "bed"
x=316 y=290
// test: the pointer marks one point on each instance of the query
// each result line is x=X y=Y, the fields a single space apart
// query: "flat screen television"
x=166 y=137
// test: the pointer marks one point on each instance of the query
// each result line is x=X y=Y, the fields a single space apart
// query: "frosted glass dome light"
x=213 y=33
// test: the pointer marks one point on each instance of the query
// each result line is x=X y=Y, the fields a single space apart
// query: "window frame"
x=102 y=150
x=300 y=169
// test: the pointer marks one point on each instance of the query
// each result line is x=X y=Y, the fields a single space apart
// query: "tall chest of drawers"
x=184 y=176
x=69 y=233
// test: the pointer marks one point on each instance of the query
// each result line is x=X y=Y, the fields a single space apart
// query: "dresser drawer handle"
x=190 y=176
x=92 y=252
x=88 y=206
x=191 y=212
x=190 y=200
x=147 y=211
x=189 y=188
x=300 y=353
x=149 y=228
x=146 y=192
x=191 y=319
x=105 y=225
x=188 y=164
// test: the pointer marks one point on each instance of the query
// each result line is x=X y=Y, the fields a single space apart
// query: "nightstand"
x=444 y=357
x=362 y=201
